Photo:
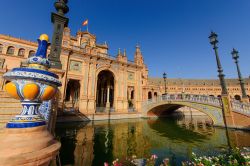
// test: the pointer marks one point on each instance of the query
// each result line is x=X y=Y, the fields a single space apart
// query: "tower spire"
x=124 y=53
x=119 y=51
x=138 y=49
x=138 y=55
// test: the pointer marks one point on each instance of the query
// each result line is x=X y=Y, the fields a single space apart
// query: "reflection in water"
x=101 y=141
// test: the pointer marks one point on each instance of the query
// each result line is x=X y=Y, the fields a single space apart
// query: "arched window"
x=1 y=48
x=10 y=50
x=21 y=52
x=155 y=94
x=31 y=53
x=149 y=95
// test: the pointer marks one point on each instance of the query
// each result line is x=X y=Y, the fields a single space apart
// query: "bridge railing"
x=187 y=97
x=243 y=108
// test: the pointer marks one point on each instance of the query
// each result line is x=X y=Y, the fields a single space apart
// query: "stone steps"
x=9 y=107
x=8 y=111
x=2 y=125
x=6 y=118
x=7 y=98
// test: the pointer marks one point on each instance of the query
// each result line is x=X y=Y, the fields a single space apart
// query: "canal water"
x=93 y=143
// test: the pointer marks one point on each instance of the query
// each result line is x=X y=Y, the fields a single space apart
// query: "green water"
x=93 y=143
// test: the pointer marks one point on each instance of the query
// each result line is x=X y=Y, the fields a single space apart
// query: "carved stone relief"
x=131 y=76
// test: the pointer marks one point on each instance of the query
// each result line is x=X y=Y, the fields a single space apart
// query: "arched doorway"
x=130 y=97
x=105 y=90
x=72 y=95
x=237 y=97
x=149 y=95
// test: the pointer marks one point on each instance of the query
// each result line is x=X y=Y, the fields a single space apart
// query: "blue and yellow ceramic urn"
x=32 y=85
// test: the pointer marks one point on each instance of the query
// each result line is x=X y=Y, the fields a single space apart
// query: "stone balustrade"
x=211 y=100
x=243 y=108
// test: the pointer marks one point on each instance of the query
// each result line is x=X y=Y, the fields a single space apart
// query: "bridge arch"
x=158 y=108
x=166 y=108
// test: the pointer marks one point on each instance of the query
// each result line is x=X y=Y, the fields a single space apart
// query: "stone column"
x=129 y=94
x=108 y=92
x=102 y=96
x=97 y=96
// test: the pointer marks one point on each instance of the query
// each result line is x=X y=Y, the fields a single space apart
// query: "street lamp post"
x=165 y=81
x=235 y=56
x=224 y=94
x=214 y=41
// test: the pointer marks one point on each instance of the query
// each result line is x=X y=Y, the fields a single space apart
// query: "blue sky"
x=173 y=34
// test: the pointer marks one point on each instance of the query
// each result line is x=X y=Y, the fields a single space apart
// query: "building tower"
x=138 y=58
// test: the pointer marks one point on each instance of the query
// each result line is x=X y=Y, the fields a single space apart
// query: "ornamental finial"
x=42 y=46
x=39 y=60
x=61 y=7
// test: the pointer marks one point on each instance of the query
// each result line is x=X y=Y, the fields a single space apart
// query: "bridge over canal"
x=210 y=105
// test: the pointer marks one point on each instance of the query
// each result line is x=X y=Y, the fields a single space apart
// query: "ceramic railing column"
x=32 y=85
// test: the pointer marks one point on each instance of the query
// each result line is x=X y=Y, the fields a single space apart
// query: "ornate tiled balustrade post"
x=25 y=140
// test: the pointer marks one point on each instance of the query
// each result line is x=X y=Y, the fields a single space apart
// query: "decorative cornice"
x=193 y=82
x=18 y=40
x=34 y=44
